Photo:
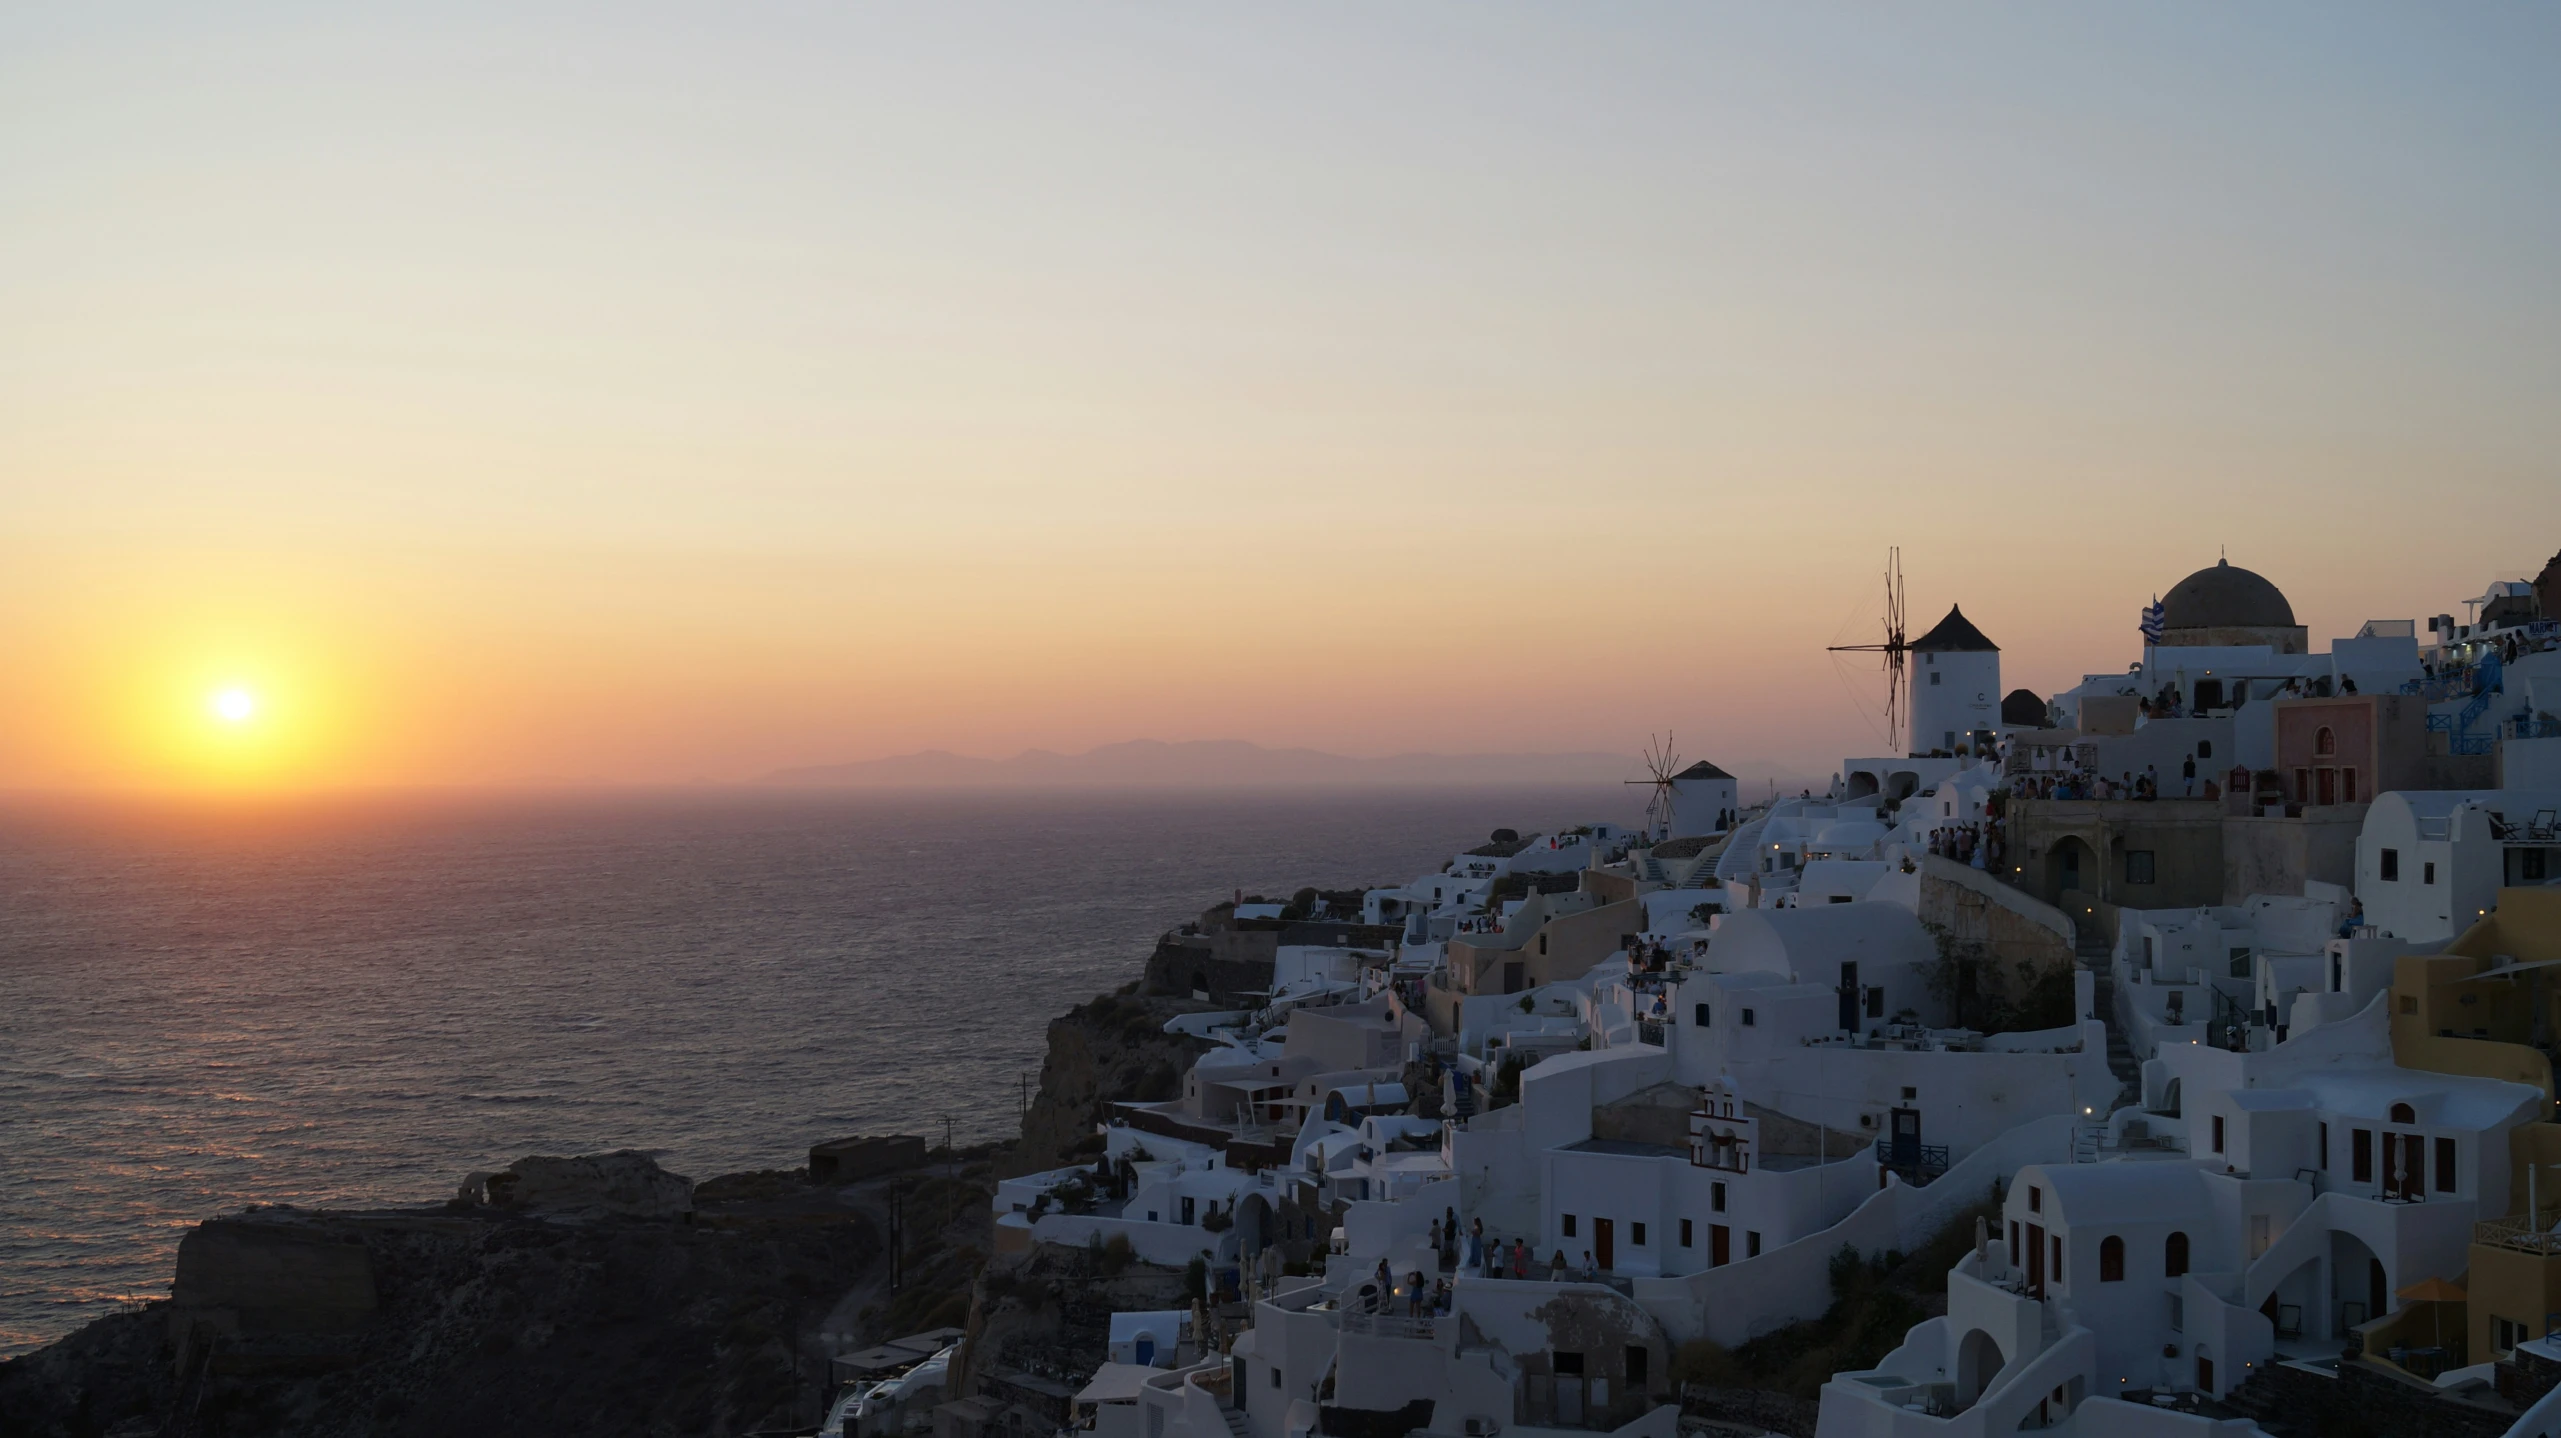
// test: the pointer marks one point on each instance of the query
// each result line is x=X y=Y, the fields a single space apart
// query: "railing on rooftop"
x=1920 y=1164
x=1389 y=1325
x=2517 y=1232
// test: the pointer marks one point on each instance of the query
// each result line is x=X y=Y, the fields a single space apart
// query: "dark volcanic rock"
x=468 y=1320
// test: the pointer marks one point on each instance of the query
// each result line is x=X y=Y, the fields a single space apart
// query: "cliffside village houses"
x=2227 y=983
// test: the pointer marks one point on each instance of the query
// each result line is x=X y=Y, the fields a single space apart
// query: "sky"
x=650 y=394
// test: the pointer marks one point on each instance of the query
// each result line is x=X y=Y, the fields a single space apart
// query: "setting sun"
x=234 y=705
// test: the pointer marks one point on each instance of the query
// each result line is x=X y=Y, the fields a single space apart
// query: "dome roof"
x=2225 y=598
x=2021 y=708
x=1956 y=632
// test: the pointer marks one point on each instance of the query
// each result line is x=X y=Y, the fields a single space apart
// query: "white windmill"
x=1664 y=766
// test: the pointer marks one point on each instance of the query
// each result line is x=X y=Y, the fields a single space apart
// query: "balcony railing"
x=2520 y=1233
x=1388 y=1325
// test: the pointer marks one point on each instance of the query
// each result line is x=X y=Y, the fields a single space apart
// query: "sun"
x=233 y=705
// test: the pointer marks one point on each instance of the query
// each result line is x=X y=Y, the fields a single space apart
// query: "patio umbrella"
x=2433 y=1290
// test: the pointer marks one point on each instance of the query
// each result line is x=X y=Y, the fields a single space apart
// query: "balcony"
x=2518 y=1234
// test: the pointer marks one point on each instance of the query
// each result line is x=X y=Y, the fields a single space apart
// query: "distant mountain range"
x=1211 y=763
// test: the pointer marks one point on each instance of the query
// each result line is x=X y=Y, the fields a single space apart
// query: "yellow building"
x=2490 y=1007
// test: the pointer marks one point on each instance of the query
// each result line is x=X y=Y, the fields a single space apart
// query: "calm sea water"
x=358 y=1002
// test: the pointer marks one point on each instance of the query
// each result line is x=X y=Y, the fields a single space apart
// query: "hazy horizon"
x=636 y=395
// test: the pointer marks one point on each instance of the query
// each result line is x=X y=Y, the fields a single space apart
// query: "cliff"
x=1108 y=1050
x=581 y=1298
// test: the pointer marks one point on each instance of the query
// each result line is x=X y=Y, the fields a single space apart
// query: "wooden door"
x=1720 y=1245
x=2204 y=1374
x=1604 y=1246
x=2036 y=1259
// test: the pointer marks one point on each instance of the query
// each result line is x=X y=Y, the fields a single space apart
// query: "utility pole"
x=951 y=1160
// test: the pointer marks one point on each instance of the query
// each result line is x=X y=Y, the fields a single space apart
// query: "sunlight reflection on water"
x=356 y=1003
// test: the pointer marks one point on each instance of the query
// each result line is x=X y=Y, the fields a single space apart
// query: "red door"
x=1604 y=1245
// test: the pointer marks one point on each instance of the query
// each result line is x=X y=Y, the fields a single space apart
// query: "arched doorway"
x=1253 y=1226
x=2360 y=1286
x=1978 y=1362
x=2069 y=866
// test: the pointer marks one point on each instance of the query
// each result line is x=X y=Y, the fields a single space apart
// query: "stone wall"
x=2276 y=856
x=1988 y=920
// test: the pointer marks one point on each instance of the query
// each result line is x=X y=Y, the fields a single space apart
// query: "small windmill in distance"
x=1896 y=651
x=1663 y=764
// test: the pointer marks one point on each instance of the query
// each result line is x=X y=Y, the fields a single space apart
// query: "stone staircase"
x=2094 y=954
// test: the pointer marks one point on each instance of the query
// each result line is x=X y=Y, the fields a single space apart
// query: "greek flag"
x=2152 y=622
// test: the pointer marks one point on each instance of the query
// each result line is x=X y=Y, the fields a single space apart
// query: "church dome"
x=2225 y=598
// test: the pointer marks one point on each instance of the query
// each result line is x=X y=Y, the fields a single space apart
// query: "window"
x=2055 y=1272
x=1275 y=1375
x=1685 y=1233
x=2506 y=1333
x=2035 y=1199
x=2138 y=866
x=1752 y=1243
x=2361 y=1155
x=2324 y=741
x=1875 y=997
x=2388 y=866
x=2205 y=748
x=1569 y=1365
x=2178 y=1313
x=1542 y=943
x=2347 y=786
x=2428 y=872
x=1716 y=1197
x=1636 y=1234
x=1698 y=1015
x=2174 y=1257
x=2218 y=1133
x=1569 y=1225
x=2409 y=1003
x=2445 y=1165
x=2533 y=865
x=1747 y=1018
x=2014 y=1243
x=2240 y=963
x=2325 y=1147
x=2111 y=1259
x=1934 y=676
x=2403 y=1113
x=1910 y=1093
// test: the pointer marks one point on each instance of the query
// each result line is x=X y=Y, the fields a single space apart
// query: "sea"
x=357 y=1001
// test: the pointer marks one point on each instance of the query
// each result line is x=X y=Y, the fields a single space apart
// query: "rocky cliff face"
x=1109 y=1050
x=475 y=1319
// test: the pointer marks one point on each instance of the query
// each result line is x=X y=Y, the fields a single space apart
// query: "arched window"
x=2111 y=1259
x=2324 y=742
x=2174 y=1257
x=2403 y=1113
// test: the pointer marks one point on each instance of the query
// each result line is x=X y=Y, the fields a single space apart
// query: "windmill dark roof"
x=1956 y=632
x=1702 y=770
x=2225 y=598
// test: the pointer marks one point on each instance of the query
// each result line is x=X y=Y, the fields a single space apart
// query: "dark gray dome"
x=2225 y=598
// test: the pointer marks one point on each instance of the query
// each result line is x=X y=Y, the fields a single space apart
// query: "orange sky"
x=547 y=398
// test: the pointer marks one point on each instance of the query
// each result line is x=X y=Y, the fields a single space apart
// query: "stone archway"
x=2071 y=864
